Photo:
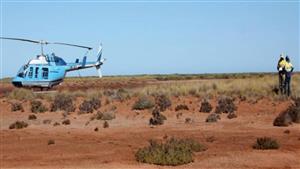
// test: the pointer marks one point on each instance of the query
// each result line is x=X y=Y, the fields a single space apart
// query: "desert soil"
x=78 y=146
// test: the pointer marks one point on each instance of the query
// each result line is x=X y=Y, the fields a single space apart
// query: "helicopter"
x=48 y=70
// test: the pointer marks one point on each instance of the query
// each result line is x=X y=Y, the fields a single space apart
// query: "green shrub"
x=266 y=143
x=163 y=102
x=143 y=103
x=171 y=152
x=37 y=107
x=63 y=102
x=17 y=106
x=18 y=125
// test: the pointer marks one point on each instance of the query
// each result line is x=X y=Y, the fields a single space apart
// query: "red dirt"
x=79 y=146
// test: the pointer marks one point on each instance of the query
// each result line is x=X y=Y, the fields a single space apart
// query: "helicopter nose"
x=17 y=84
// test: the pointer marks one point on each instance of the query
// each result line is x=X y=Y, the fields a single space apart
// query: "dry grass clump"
x=32 y=117
x=205 y=106
x=63 y=102
x=38 y=107
x=88 y=106
x=225 y=105
x=181 y=107
x=21 y=94
x=265 y=143
x=157 y=118
x=163 y=102
x=108 y=115
x=143 y=103
x=213 y=118
x=18 y=125
x=17 y=106
x=172 y=152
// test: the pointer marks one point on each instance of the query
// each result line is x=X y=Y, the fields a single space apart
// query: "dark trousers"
x=281 y=82
x=287 y=85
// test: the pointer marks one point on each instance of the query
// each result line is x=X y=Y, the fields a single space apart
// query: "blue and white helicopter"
x=48 y=70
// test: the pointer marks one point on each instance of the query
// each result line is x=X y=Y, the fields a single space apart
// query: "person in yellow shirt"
x=281 y=73
x=288 y=75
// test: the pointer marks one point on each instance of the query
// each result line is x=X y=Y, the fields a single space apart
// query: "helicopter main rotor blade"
x=86 y=47
x=20 y=39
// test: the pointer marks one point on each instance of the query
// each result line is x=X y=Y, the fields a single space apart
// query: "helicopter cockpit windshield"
x=58 y=61
x=22 y=70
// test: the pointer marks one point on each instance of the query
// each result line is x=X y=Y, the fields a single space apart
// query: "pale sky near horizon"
x=146 y=37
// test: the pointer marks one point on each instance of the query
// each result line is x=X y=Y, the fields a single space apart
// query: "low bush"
x=213 y=118
x=205 y=107
x=231 y=116
x=143 y=103
x=63 y=102
x=51 y=142
x=17 y=106
x=105 y=124
x=47 y=121
x=163 y=102
x=38 y=107
x=225 y=105
x=291 y=114
x=172 y=152
x=56 y=124
x=181 y=107
x=266 y=143
x=88 y=106
x=32 y=117
x=188 y=120
x=157 y=118
x=66 y=122
x=18 y=125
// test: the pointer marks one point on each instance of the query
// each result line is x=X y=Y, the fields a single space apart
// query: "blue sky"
x=156 y=37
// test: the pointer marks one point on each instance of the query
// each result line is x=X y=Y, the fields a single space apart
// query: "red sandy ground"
x=79 y=146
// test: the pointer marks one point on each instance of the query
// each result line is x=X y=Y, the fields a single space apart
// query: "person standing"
x=281 y=72
x=288 y=75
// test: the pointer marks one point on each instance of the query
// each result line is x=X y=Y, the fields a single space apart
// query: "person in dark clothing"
x=288 y=75
x=281 y=73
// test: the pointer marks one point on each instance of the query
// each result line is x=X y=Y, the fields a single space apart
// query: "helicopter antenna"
x=42 y=43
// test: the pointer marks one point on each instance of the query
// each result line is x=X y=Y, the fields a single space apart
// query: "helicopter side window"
x=30 y=72
x=45 y=73
x=36 y=72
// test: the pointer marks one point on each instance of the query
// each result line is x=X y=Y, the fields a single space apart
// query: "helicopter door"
x=36 y=72
x=45 y=73
x=30 y=72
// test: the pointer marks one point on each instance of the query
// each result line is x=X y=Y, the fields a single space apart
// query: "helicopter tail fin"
x=83 y=61
x=99 y=55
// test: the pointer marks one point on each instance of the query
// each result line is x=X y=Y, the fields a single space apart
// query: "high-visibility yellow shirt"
x=288 y=66
x=282 y=63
